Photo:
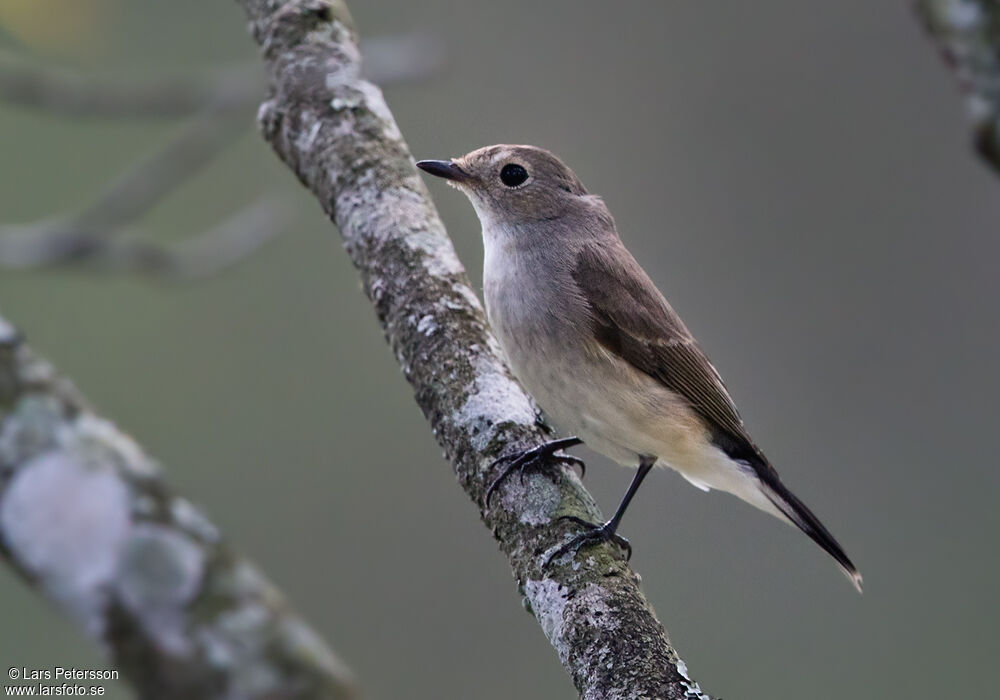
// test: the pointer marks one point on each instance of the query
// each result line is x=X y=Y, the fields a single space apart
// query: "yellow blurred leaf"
x=54 y=26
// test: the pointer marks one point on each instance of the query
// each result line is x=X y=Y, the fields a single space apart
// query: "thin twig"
x=59 y=240
x=208 y=254
x=70 y=94
x=218 y=105
x=391 y=59
x=147 y=183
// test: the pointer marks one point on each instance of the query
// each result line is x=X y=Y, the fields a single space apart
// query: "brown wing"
x=632 y=320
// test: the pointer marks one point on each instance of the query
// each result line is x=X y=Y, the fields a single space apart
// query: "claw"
x=595 y=534
x=535 y=459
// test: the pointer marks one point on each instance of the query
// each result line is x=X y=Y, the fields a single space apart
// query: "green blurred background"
x=795 y=176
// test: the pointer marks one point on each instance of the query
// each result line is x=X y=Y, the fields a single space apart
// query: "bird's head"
x=511 y=185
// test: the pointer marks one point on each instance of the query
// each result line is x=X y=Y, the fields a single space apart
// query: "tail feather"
x=797 y=512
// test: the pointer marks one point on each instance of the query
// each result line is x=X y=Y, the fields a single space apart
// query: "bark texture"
x=334 y=130
x=967 y=32
x=86 y=518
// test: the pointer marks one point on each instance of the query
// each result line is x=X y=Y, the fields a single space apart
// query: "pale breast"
x=545 y=339
x=543 y=325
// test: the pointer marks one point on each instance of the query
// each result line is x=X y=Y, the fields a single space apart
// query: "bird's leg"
x=535 y=459
x=607 y=532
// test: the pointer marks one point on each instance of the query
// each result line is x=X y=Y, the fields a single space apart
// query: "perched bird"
x=590 y=336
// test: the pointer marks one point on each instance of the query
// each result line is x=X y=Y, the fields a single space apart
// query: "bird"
x=588 y=334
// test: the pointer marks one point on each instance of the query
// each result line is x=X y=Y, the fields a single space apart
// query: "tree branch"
x=218 y=106
x=86 y=518
x=390 y=59
x=84 y=235
x=335 y=131
x=205 y=255
x=50 y=244
x=71 y=94
x=967 y=33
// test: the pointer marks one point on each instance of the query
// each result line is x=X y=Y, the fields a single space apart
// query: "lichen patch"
x=496 y=398
x=160 y=573
x=547 y=599
x=66 y=523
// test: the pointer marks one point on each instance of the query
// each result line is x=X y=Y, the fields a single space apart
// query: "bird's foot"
x=533 y=460
x=594 y=534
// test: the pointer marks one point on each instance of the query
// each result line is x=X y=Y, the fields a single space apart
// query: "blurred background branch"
x=71 y=94
x=217 y=109
x=967 y=32
x=389 y=60
x=85 y=235
x=62 y=243
x=87 y=519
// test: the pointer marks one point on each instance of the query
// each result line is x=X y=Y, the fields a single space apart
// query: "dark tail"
x=796 y=511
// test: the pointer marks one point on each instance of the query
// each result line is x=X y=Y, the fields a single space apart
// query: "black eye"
x=513 y=175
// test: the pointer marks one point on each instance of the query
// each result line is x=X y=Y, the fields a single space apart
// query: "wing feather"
x=631 y=319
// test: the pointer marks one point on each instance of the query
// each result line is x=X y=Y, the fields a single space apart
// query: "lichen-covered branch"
x=86 y=518
x=336 y=133
x=968 y=34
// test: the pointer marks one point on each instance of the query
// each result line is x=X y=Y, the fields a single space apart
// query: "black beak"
x=444 y=168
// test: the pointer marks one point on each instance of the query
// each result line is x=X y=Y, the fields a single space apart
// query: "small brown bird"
x=590 y=336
